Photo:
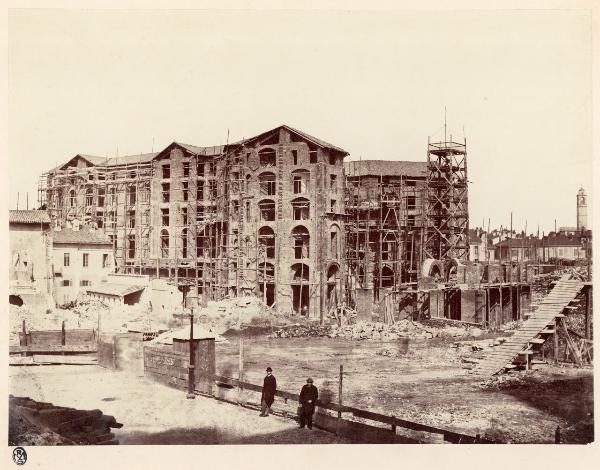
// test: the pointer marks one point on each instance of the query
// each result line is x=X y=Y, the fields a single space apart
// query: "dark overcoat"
x=268 y=391
x=309 y=392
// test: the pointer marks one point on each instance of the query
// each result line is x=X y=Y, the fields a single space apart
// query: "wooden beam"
x=555 y=341
x=571 y=345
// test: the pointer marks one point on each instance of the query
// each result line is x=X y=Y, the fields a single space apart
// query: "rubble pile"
x=220 y=316
x=401 y=329
x=363 y=330
x=510 y=381
x=87 y=314
x=302 y=331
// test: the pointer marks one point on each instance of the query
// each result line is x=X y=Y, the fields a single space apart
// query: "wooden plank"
x=536 y=341
x=61 y=359
x=53 y=348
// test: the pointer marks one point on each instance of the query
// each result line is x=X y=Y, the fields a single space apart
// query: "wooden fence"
x=337 y=425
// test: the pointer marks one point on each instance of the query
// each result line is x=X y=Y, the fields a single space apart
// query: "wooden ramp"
x=534 y=331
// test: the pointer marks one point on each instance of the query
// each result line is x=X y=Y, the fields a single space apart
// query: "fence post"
x=114 y=353
x=240 y=368
x=63 y=334
x=340 y=391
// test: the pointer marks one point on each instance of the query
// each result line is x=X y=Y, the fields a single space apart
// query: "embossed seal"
x=19 y=455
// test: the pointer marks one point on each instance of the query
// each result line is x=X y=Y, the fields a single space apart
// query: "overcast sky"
x=518 y=84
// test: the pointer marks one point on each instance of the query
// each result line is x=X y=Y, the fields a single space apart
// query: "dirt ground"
x=152 y=413
x=425 y=381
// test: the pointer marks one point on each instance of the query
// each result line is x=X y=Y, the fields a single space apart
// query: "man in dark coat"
x=268 y=393
x=308 y=399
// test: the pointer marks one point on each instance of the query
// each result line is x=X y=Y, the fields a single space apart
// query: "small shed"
x=114 y=293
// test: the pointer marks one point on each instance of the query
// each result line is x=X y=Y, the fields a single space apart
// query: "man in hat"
x=268 y=393
x=308 y=399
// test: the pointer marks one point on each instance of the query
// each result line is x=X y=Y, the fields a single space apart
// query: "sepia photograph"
x=299 y=226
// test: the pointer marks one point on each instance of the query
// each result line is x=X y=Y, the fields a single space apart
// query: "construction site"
x=278 y=250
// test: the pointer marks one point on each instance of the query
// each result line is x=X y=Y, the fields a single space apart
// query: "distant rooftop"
x=84 y=236
x=115 y=289
x=28 y=217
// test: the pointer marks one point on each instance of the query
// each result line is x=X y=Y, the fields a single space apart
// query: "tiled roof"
x=80 y=237
x=386 y=168
x=129 y=159
x=28 y=217
x=304 y=135
x=207 y=151
x=92 y=158
x=112 y=288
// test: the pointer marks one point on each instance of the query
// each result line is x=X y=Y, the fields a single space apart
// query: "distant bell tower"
x=581 y=209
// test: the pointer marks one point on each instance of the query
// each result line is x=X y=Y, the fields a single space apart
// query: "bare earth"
x=426 y=383
x=418 y=380
x=153 y=413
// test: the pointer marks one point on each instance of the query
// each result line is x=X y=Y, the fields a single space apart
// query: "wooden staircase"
x=540 y=325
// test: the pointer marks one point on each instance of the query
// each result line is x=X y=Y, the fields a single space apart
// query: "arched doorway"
x=266 y=243
x=301 y=239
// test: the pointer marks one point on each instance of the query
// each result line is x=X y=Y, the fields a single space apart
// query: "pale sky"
x=373 y=83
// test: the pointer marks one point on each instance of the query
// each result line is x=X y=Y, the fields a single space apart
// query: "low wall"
x=57 y=337
x=168 y=364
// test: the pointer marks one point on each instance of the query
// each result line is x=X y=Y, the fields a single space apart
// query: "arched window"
x=266 y=209
x=164 y=243
x=89 y=197
x=300 y=209
x=266 y=242
x=333 y=286
x=301 y=239
x=301 y=181
x=247 y=187
x=267 y=184
x=300 y=272
x=267 y=157
x=72 y=198
x=334 y=241
x=184 y=243
x=332 y=273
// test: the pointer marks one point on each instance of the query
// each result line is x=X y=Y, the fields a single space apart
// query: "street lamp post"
x=191 y=366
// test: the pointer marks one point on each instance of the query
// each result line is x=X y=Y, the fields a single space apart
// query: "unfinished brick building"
x=264 y=216
x=281 y=216
x=385 y=206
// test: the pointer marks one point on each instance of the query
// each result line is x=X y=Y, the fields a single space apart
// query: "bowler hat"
x=309 y=380
x=269 y=369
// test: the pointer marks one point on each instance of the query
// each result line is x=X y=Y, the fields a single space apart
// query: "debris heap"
x=38 y=423
x=363 y=330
